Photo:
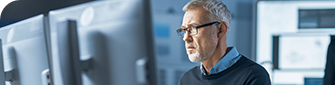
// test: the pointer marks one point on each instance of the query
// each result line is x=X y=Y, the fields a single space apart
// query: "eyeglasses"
x=193 y=30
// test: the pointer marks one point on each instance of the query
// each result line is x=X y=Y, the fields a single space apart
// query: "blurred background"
x=289 y=38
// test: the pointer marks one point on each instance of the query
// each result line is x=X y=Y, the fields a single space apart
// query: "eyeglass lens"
x=191 y=31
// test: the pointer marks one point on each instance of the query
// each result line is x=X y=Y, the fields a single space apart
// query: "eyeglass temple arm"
x=201 y=25
x=208 y=24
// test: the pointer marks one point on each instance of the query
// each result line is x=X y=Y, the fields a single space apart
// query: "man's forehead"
x=195 y=17
x=191 y=23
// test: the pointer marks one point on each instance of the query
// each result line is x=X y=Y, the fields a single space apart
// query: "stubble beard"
x=197 y=56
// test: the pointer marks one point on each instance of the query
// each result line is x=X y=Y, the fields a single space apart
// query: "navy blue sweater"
x=243 y=72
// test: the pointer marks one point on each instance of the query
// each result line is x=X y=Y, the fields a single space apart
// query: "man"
x=204 y=29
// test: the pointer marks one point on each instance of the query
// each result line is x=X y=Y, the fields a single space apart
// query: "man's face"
x=201 y=46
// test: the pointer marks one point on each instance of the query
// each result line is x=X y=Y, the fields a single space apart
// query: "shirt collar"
x=228 y=60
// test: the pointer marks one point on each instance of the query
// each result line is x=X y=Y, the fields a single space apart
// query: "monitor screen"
x=116 y=35
x=2 y=71
x=24 y=50
x=302 y=51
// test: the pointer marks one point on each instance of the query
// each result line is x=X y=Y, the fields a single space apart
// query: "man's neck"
x=209 y=63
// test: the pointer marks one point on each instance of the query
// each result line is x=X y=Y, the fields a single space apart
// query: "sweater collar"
x=227 y=61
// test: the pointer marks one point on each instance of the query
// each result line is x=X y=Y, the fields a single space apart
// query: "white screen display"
x=303 y=51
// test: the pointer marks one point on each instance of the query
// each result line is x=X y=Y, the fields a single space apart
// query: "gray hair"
x=217 y=9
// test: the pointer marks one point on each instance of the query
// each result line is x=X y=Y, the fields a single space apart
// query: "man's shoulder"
x=251 y=72
x=253 y=69
x=250 y=65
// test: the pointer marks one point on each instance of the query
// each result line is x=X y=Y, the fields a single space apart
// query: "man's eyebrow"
x=183 y=27
x=191 y=24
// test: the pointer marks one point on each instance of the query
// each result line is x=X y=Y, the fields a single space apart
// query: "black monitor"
x=24 y=51
x=116 y=35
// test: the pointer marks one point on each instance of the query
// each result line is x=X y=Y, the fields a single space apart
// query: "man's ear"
x=222 y=29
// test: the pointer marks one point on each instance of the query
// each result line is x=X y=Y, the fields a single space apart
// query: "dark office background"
x=22 y=9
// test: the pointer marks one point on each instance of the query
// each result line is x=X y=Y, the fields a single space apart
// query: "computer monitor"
x=116 y=35
x=300 y=51
x=2 y=71
x=24 y=51
x=67 y=51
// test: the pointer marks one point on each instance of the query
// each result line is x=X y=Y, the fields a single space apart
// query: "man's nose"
x=187 y=37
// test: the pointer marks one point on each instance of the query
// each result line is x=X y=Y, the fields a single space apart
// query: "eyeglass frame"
x=196 y=27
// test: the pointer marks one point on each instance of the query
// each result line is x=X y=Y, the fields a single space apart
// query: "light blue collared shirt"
x=228 y=60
